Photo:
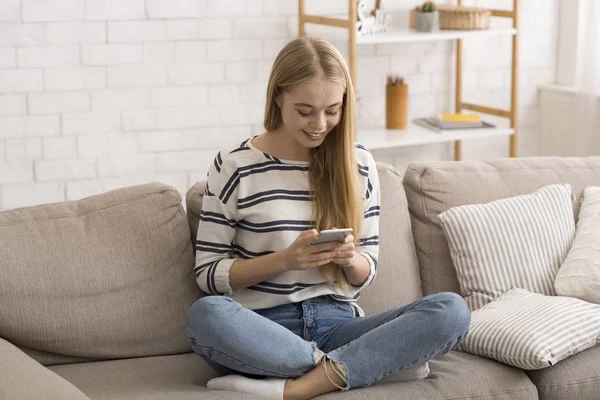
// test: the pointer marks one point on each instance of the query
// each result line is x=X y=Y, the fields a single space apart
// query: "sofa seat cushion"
x=454 y=376
x=575 y=378
x=175 y=377
x=180 y=377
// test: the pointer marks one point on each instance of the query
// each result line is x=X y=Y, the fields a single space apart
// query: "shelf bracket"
x=503 y=13
x=315 y=19
x=486 y=110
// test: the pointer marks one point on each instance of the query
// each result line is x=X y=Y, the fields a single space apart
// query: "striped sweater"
x=255 y=204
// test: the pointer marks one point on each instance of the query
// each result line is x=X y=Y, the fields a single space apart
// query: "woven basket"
x=459 y=17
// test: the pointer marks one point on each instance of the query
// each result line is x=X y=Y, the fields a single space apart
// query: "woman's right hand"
x=301 y=255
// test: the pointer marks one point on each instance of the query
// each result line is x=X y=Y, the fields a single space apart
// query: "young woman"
x=282 y=321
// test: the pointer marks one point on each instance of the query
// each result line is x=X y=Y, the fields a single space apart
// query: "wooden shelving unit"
x=415 y=135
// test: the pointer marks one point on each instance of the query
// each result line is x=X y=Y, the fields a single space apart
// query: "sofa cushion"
x=576 y=378
x=519 y=242
x=435 y=187
x=46 y=358
x=397 y=281
x=109 y=276
x=579 y=275
x=453 y=376
x=21 y=377
x=193 y=207
x=532 y=331
x=175 y=377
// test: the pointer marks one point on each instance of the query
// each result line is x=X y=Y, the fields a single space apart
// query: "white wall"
x=100 y=94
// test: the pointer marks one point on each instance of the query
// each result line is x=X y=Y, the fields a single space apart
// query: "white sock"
x=412 y=373
x=271 y=388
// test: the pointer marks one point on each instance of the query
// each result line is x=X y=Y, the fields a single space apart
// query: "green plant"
x=428 y=6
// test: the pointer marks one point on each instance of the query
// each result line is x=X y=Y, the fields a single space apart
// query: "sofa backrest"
x=434 y=187
x=397 y=281
x=109 y=276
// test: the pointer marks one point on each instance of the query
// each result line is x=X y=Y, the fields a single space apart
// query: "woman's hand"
x=345 y=253
x=302 y=255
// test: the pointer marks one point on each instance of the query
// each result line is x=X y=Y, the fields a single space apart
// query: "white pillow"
x=532 y=331
x=579 y=276
x=517 y=242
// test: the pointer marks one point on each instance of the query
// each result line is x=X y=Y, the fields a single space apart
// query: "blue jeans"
x=282 y=341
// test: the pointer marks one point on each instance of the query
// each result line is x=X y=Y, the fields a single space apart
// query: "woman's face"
x=311 y=110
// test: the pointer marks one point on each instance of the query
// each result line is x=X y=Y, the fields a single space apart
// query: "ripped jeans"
x=283 y=341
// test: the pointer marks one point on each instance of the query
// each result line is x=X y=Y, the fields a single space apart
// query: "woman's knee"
x=203 y=316
x=456 y=316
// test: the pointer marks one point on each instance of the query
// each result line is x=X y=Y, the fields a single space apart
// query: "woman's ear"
x=278 y=96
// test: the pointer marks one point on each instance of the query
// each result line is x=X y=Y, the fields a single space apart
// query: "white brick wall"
x=75 y=78
x=56 y=103
x=110 y=10
x=23 y=149
x=111 y=54
x=51 y=10
x=13 y=105
x=100 y=94
x=59 y=148
x=73 y=33
x=47 y=56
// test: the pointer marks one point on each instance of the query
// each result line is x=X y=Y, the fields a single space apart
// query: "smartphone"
x=333 y=235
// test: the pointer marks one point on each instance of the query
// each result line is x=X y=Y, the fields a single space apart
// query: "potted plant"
x=427 y=17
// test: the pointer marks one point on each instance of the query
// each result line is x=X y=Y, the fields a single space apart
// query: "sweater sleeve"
x=216 y=229
x=368 y=238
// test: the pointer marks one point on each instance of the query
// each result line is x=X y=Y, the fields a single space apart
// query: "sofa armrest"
x=21 y=377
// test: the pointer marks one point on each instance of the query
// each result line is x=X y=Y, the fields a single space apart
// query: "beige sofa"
x=94 y=293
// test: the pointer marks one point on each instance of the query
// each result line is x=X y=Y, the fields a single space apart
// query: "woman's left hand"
x=345 y=253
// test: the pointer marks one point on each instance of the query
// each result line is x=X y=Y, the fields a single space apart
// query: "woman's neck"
x=281 y=144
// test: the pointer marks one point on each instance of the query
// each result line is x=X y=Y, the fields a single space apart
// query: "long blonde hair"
x=333 y=171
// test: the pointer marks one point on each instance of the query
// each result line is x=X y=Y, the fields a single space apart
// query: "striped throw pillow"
x=532 y=331
x=579 y=275
x=518 y=242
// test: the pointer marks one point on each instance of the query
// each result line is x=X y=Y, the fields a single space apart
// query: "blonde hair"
x=333 y=171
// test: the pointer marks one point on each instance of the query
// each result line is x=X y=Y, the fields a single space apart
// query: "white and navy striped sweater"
x=255 y=204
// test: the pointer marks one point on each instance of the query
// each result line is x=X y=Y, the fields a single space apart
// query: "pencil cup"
x=396 y=105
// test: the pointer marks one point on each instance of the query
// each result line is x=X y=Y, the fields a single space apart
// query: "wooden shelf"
x=409 y=35
x=381 y=138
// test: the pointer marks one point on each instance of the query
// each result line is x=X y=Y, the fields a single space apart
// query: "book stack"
x=452 y=122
